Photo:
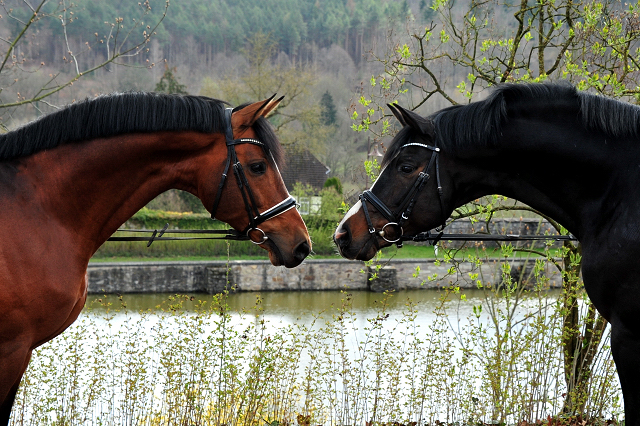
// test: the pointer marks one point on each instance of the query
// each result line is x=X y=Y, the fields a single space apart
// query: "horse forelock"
x=113 y=115
x=478 y=125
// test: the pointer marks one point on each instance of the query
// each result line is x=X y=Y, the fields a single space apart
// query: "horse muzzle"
x=363 y=248
x=283 y=257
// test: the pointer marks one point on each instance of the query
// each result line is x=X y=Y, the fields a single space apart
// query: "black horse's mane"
x=120 y=113
x=478 y=124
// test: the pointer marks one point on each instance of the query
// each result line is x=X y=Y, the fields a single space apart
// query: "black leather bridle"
x=392 y=231
x=255 y=217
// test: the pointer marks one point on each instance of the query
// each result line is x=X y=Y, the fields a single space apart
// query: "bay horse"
x=571 y=155
x=70 y=179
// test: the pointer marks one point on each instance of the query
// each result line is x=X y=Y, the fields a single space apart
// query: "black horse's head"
x=407 y=197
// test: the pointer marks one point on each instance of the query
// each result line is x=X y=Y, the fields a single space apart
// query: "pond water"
x=316 y=308
x=301 y=305
x=296 y=304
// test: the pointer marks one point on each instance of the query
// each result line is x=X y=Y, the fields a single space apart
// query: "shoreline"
x=215 y=276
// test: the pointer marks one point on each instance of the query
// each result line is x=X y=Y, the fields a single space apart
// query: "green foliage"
x=169 y=83
x=334 y=182
x=329 y=202
x=226 y=24
x=155 y=219
x=321 y=220
x=321 y=227
x=327 y=109
x=372 y=168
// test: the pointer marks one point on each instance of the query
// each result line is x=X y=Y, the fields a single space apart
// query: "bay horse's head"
x=407 y=198
x=242 y=186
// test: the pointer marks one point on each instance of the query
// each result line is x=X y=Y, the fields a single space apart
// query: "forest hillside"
x=312 y=51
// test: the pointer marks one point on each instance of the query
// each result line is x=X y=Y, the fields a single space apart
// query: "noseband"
x=255 y=217
x=392 y=231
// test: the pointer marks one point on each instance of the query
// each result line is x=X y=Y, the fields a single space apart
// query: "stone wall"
x=258 y=275
x=522 y=226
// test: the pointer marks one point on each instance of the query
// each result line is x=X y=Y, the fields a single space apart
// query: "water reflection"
x=295 y=304
x=292 y=307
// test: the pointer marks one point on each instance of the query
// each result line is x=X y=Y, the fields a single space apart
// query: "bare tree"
x=121 y=41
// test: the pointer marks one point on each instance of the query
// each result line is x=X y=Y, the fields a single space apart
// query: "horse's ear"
x=249 y=114
x=271 y=106
x=413 y=120
x=397 y=114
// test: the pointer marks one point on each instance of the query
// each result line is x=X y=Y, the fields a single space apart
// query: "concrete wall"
x=249 y=275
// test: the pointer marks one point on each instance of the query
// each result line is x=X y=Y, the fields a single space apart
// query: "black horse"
x=572 y=156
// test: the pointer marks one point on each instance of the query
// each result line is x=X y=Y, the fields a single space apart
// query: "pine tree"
x=328 y=109
x=169 y=82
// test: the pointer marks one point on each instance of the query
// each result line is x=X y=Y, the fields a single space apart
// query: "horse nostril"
x=342 y=237
x=302 y=251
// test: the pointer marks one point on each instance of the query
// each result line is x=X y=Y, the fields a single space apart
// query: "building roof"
x=303 y=167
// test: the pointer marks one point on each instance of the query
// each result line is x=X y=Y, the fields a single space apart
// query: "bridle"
x=392 y=231
x=255 y=217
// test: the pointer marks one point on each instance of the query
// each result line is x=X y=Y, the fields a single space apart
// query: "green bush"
x=334 y=182
x=156 y=219
x=320 y=230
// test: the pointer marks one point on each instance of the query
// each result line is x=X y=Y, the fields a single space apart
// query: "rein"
x=226 y=234
x=434 y=238
x=255 y=217
x=231 y=234
x=392 y=231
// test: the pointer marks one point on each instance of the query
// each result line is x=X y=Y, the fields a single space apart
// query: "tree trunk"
x=580 y=348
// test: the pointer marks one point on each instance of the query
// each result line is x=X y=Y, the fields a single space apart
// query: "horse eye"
x=258 y=168
x=406 y=168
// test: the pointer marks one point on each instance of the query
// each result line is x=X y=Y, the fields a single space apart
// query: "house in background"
x=304 y=168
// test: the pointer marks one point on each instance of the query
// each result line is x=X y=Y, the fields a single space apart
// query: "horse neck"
x=92 y=188
x=555 y=166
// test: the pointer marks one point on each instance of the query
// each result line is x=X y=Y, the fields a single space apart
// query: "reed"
x=207 y=365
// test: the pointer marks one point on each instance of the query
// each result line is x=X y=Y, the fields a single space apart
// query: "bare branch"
x=19 y=36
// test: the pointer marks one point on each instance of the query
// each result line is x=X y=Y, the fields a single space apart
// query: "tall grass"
x=500 y=362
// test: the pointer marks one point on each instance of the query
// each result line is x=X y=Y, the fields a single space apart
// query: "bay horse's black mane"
x=120 y=113
x=478 y=124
